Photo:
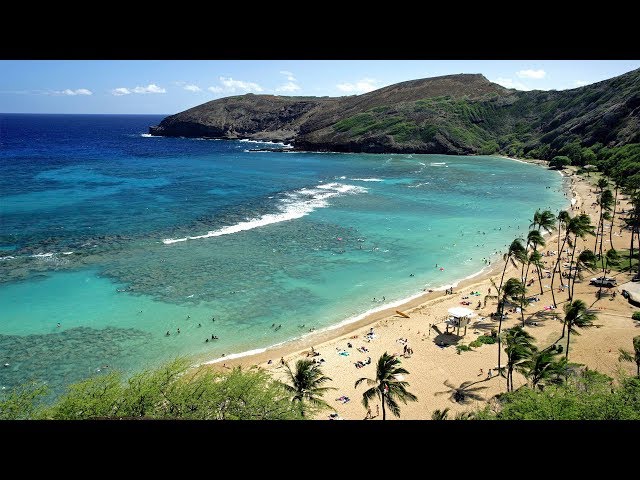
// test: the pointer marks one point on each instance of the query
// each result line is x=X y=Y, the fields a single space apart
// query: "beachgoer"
x=282 y=360
x=489 y=374
x=199 y=325
x=481 y=372
x=178 y=330
x=58 y=325
x=206 y=340
x=167 y=334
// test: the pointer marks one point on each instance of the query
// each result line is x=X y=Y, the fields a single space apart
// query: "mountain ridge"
x=451 y=114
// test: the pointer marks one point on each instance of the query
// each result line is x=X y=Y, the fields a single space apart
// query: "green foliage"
x=587 y=396
x=403 y=131
x=21 y=403
x=483 y=339
x=172 y=391
x=489 y=147
x=636 y=316
x=386 y=386
x=560 y=162
x=306 y=385
x=489 y=340
x=463 y=348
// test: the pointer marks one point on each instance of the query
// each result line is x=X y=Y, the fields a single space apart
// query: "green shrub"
x=487 y=339
x=636 y=315
x=463 y=348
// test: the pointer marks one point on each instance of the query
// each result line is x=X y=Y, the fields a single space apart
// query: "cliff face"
x=457 y=114
x=259 y=117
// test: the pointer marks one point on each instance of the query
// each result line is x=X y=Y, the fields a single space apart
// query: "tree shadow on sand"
x=464 y=393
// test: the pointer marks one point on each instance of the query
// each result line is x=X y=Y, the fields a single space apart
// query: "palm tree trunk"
x=502 y=278
x=500 y=310
x=540 y=278
x=555 y=267
x=524 y=295
x=384 y=411
x=613 y=217
x=566 y=355
x=575 y=271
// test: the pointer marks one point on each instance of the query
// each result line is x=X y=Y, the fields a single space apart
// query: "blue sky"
x=170 y=86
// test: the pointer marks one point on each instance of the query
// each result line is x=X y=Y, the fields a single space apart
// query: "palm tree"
x=518 y=347
x=516 y=252
x=387 y=386
x=563 y=219
x=542 y=369
x=580 y=226
x=541 y=221
x=464 y=393
x=606 y=202
x=602 y=184
x=440 y=414
x=577 y=315
x=513 y=289
x=626 y=356
x=535 y=239
x=613 y=216
x=307 y=383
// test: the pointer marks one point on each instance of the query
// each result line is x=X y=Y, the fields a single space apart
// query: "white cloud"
x=229 y=85
x=232 y=85
x=363 y=86
x=120 y=91
x=288 y=87
x=71 y=93
x=509 y=83
x=580 y=83
x=151 y=88
x=535 y=74
x=289 y=75
x=192 y=88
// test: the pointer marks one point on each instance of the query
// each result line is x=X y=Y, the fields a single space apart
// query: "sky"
x=171 y=86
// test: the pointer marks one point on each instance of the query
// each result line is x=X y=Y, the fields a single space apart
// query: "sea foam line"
x=296 y=204
x=233 y=356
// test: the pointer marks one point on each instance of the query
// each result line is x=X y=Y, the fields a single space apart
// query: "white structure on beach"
x=459 y=317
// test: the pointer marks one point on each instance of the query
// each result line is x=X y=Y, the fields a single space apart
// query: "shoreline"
x=294 y=347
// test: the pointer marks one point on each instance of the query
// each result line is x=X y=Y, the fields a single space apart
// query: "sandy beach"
x=431 y=365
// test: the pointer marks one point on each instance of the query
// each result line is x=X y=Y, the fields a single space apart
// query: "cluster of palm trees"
x=389 y=386
x=514 y=290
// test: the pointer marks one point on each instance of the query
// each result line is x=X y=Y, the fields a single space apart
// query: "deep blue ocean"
x=119 y=238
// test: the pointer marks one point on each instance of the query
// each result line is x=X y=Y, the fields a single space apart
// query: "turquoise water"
x=120 y=238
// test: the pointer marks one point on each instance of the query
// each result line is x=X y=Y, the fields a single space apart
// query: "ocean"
x=110 y=239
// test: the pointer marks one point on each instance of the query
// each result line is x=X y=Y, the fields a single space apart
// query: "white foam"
x=437 y=164
x=67 y=253
x=42 y=255
x=147 y=135
x=296 y=204
x=266 y=142
x=234 y=355
x=367 y=179
x=6 y=258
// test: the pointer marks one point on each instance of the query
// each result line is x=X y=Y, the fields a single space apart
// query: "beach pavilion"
x=459 y=317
